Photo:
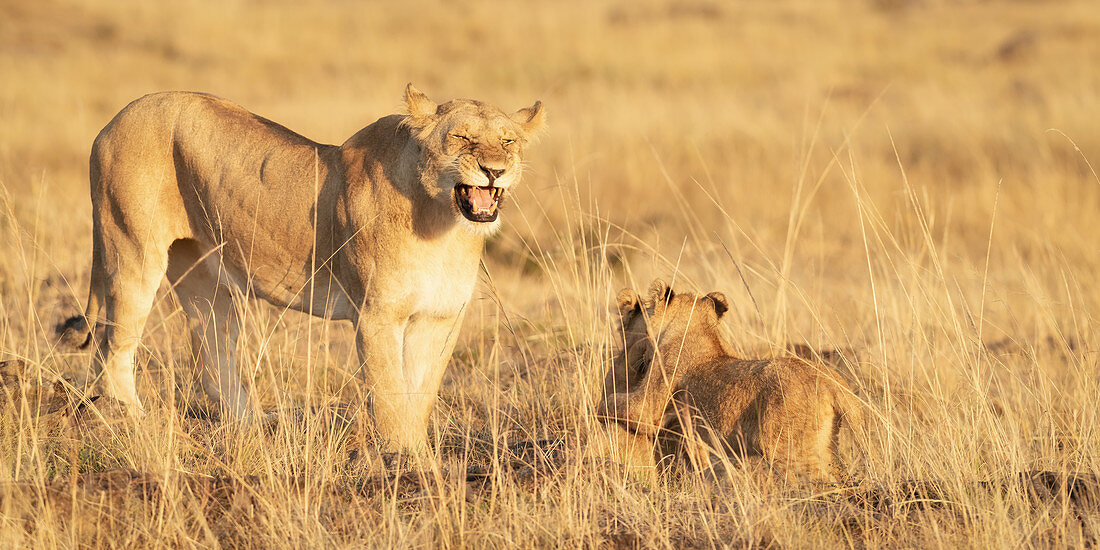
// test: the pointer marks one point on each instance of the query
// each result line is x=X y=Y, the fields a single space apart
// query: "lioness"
x=676 y=376
x=385 y=231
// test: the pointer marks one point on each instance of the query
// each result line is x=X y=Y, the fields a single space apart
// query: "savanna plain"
x=906 y=189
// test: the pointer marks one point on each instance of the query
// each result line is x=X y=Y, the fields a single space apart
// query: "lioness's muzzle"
x=479 y=204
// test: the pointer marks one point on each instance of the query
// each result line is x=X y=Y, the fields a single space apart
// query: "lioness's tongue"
x=481 y=198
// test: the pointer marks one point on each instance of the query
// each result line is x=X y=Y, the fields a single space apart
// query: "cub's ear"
x=531 y=119
x=417 y=104
x=721 y=305
x=659 y=291
x=628 y=302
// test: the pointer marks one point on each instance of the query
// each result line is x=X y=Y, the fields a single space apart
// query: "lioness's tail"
x=76 y=331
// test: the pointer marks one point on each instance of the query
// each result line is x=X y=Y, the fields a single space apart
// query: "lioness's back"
x=193 y=117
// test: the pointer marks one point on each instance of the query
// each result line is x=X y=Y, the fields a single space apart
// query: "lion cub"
x=677 y=379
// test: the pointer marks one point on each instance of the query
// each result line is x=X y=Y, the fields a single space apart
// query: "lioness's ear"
x=659 y=291
x=627 y=301
x=721 y=305
x=530 y=119
x=418 y=104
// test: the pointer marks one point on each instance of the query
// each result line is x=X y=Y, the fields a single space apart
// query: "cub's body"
x=677 y=381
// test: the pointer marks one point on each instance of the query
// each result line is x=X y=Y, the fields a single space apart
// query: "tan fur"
x=707 y=404
x=229 y=204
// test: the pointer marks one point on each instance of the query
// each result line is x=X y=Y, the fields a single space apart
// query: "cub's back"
x=733 y=392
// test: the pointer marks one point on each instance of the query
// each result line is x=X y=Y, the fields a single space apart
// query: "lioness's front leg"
x=379 y=340
x=404 y=364
x=428 y=344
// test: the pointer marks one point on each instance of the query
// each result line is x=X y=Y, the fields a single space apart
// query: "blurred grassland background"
x=909 y=180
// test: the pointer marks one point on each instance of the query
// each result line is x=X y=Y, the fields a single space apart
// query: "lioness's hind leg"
x=214 y=323
x=128 y=297
x=137 y=212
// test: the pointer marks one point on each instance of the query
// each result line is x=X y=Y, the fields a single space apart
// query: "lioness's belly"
x=283 y=285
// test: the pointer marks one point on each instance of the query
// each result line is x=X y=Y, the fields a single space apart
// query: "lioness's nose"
x=491 y=174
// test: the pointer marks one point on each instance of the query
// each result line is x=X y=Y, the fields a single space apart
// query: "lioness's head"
x=471 y=153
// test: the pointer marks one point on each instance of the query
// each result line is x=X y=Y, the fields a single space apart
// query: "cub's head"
x=471 y=153
x=668 y=319
x=629 y=364
x=664 y=327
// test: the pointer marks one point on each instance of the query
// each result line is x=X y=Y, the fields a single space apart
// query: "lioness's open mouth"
x=479 y=204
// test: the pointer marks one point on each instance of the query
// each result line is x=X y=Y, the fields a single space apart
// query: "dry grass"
x=907 y=179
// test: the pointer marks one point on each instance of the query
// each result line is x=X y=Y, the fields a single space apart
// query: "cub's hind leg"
x=806 y=444
x=214 y=322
